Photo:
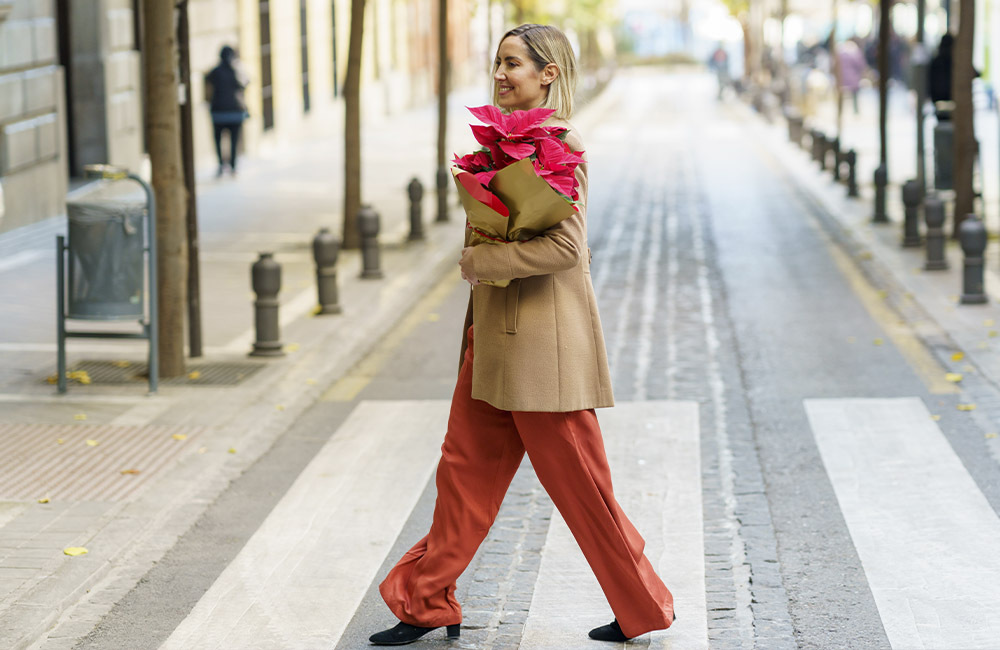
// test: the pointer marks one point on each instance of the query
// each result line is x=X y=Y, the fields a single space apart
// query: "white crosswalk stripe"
x=925 y=533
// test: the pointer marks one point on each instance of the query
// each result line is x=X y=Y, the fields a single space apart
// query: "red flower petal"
x=516 y=150
x=489 y=115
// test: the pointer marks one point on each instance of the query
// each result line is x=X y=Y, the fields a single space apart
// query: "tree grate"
x=221 y=373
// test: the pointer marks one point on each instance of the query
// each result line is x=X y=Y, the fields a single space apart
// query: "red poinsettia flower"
x=556 y=155
x=474 y=162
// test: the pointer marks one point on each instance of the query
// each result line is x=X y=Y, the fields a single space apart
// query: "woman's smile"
x=519 y=83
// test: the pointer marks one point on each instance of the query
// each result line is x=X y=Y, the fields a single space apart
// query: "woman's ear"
x=549 y=73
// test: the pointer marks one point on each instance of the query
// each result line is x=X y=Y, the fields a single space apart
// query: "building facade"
x=71 y=79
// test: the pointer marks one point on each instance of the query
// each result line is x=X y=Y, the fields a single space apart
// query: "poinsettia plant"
x=521 y=182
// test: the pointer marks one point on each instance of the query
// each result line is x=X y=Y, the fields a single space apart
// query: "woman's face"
x=520 y=85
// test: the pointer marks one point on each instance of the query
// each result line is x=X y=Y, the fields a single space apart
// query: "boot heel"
x=454 y=631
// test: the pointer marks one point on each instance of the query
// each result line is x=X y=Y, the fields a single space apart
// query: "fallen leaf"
x=80 y=416
x=121 y=364
x=953 y=298
x=316 y=310
x=74 y=551
x=179 y=436
x=291 y=347
x=991 y=435
x=279 y=407
x=130 y=471
x=43 y=500
x=866 y=255
x=878 y=341
x=194 y=374
x=989 y=322
x=232 y=450
x=883 y=294
x=958 y=356
x=202 y=450
x=311 y=382
x=953 y=377
x=992 y=334
x=92 y=443
x=60 y=441
x=52 y=379
x=935 y=417
x=966 y=407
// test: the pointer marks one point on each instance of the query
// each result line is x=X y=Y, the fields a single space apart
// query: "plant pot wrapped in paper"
x=521 y=183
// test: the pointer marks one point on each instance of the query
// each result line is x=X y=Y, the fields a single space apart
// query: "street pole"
x=920 y=63
x=837 y=75
x=882 y=173
x=187 y=153
x=442 y=171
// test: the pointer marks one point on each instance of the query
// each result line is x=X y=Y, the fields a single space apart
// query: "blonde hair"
x=547 y=45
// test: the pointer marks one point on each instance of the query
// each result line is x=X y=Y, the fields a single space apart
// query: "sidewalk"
x=965 y=339
x=124 y=474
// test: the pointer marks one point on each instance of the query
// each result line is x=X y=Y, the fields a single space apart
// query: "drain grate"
x=222 y=373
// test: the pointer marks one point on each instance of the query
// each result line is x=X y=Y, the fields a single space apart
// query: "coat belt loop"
x=511 y=314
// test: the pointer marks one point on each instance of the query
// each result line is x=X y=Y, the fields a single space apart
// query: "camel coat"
x=538 y=342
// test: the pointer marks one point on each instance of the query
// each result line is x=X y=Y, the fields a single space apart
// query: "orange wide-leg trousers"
x=482 y=450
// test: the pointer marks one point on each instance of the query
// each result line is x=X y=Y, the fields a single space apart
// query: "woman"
x=225 y=85
x=533 y=370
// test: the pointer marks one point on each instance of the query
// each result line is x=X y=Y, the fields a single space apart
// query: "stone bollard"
x=881 y=181
x=934 y=216
x=326 y=249
x=837 y=157
x=265 y=275
x=911 y=207
x=442 y=194
x=416 y=192
x=851 y=158
x=972 y=236
x=368 y=227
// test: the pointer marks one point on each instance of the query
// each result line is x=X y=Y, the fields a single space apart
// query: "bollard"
x=972 y=236
x=265 y=275
x=911 y=208
x=794 y=125
x=837 y=157
x=824 y=148
x=442 y=194
x=881 y=181
x=368 y=227
x=816 y=138
x=944 y=153
x=416 y=192
x=851 y=158
x=326 y=249
x=934 y=217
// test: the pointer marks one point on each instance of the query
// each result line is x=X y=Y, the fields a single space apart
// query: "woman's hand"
x=465 y=266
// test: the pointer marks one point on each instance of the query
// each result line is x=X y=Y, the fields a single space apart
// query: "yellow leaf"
x=991 y=435
x=316 y=310
x=433 y=318
x=232 y=450
x=958 y=356
x=84 y=380
x=279 y=407
x=43 y=500
x=311 y=382
x=179 y=436
x=80 y=416
x=291 y=347
x=52 y=379
x=130 y=471
x=883 y=294
x=992 y=334
x=966 y=407
x=60 y=441
x=92 y=443
x=989 y=322
x=866 y=255
x=878 y=341
x=194 y=374
x=74 y=551
x=121 y=364
x=935 y=417
x=953 y=377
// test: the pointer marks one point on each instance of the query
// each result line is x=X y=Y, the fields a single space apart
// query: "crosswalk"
x=924 y=532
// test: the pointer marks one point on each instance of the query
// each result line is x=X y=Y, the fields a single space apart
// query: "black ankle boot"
x=609 y=632
x=405 y=633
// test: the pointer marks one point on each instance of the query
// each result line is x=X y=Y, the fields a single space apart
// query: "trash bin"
x=106 y=262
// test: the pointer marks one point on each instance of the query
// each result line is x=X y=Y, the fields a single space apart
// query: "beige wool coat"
x=538 y=343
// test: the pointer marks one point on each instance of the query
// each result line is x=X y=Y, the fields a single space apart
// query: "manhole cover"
x=223 y=373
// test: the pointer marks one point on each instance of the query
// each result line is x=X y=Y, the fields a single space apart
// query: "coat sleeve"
x=557 y=249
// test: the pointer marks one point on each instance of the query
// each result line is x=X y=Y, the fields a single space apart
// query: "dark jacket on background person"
x=226 y=84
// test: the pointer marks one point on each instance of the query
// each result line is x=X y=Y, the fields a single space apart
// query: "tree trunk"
x=163 y=137
x=352 y=127
x=442 y=146
x=961 y=92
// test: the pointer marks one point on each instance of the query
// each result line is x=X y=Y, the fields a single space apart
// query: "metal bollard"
x=326 y=249
x=824 y=149
x=265 y=275
x=851 y=158
x=837 y=157
x=972 y=236
x=934 y=216
x=911 y=224
x=442 y=194
x=368 y=226
x=881 y=181
x=816 y=136
x=416 y=192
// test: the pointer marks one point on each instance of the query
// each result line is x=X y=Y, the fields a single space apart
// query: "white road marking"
x=302 y=575
x=926 y=535
x=654 y=451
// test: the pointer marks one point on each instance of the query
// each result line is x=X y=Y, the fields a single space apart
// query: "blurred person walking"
x=224 y=87
x=533 y=369
x=852 y=69
x=719 y=64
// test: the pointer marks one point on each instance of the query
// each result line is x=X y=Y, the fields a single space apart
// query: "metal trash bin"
x=106 y=271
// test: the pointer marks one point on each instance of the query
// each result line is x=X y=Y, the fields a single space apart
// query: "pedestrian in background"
x=852 y=69
x=719 y=64
x=224 y=87
x=533 y=369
